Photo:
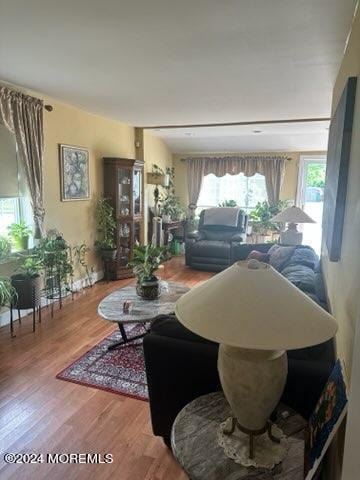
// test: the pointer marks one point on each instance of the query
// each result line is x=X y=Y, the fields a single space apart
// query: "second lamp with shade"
x=292 y=216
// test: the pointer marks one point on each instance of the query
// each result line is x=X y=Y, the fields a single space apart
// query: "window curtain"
x=272 y=167
x=195 y=175
x=23 y=116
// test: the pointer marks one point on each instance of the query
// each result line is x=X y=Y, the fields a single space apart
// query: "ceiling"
x=178 y=62
x=285 y=137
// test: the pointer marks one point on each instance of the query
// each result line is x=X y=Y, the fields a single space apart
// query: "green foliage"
x=262 y=214
x=54 y=254
x=31 y=265
x=80 y=253
x=228 y=203
x=7 y=292
x=18 y=231
x=106 y=225
x=169 y=203
x=19 y=234
x=316 y=175
x=146 y=260
x=5 y=248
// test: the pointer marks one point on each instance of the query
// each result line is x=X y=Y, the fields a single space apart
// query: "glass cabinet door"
x=124 y=243
x=124 y=191
x=137 y=192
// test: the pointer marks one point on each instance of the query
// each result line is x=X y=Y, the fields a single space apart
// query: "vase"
x=149 y=289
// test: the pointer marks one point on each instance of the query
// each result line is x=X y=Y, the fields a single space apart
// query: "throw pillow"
x=261 y=256
x=304 y=255
x=279 y=255
x=301 y=276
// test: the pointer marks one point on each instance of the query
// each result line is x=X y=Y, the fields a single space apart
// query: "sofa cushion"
x=301 y=276
x=211 y=248
x=279 y=255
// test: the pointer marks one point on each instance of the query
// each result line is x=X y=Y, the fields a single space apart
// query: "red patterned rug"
x=119 y=371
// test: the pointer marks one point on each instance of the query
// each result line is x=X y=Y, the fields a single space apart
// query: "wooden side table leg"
x=34 y=308
x=39 y=313
x=19 y=315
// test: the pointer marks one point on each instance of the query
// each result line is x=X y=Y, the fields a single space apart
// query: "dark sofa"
x=211 y=246
x=181 y=366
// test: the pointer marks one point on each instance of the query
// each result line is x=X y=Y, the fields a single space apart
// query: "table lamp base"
x=255 y=449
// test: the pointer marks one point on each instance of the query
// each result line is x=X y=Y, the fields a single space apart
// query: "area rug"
x=119 y=371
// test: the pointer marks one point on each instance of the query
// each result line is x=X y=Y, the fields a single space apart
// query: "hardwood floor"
x=39 y=414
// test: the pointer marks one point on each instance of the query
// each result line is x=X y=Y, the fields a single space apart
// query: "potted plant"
x=228 y=203
x=54 y=255
x=7 y=292
x=146 y=260
x=262 y=214
x=106 y=227
x=19 y=234
x=5 y=248
x=27 y=283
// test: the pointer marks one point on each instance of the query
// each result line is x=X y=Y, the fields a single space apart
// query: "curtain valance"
x=271 y=166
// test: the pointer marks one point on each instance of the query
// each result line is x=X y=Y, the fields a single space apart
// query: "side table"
x=194 y=443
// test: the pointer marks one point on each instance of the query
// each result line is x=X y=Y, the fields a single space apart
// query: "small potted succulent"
x=27 y=283
x=19 y=234
x=146 y=260
x=106 y=227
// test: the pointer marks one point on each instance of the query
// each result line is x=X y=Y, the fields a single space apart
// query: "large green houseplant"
x=170 y=206
x=54 y=254
x=146 y=260
x=106 y=245
x=261 y=215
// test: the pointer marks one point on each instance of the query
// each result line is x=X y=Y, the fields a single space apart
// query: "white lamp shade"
x=255 y=309
x=292 y=215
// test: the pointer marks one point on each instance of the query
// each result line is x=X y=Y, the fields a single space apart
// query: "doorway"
x=310 y=197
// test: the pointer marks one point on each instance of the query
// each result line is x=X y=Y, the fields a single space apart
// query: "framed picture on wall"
x=74 y=173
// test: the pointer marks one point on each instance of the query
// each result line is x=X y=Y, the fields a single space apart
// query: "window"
x=9 y=213
x=14 y=197
x=246 y=191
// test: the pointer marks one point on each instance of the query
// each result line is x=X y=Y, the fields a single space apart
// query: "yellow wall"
x=155 y=152
x=343 y=277
x=288 y=190
x=102 y=137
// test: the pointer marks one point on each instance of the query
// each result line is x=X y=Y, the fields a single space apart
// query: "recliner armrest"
x=196 y=235
x=238 y=237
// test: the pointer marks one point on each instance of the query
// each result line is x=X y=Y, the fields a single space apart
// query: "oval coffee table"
x=143 y=311
x=194 y=443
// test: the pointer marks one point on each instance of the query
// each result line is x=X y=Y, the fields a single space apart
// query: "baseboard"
x=77 y=286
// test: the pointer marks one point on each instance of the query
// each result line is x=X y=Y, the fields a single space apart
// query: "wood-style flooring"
x=40 y=414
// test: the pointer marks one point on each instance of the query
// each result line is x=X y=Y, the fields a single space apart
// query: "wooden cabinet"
x=124 y=187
